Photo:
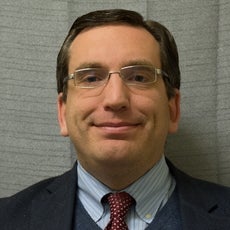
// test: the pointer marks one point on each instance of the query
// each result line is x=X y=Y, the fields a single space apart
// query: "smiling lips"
x=116 y=127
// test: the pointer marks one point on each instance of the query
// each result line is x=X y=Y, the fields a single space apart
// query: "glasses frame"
x=157 y=72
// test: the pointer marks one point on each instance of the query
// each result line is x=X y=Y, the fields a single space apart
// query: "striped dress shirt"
x=151 y=192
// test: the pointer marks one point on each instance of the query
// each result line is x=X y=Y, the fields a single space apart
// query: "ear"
x=62 y=115
x=174 y=112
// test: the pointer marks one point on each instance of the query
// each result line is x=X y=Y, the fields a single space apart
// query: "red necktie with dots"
x=119 y=205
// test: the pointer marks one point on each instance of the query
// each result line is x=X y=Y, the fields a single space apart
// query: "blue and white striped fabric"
x=151 y=193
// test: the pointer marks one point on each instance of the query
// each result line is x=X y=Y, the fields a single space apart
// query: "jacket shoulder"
x=17 y=208
x=209 y=196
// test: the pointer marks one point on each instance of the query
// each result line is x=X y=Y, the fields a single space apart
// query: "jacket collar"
x=54 y=209
x=201 y=203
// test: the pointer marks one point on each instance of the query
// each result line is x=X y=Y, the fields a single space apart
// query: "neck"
x=119 y=176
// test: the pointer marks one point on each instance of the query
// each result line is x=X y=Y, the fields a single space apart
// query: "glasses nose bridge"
x=114 y=72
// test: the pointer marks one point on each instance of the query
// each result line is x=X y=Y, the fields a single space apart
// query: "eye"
x=139 y=76
x=91 y=78
x=88 y=76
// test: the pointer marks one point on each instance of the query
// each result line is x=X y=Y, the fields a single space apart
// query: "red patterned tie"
x=119 y=205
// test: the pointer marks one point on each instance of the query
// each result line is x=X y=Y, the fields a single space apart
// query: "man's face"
x=117 y=125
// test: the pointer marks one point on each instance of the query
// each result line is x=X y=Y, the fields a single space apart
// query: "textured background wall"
x=31 y=33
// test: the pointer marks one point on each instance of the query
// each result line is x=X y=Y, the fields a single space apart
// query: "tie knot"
x=119 y=203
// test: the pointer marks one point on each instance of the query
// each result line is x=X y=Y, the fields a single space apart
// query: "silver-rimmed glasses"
x=135 y=75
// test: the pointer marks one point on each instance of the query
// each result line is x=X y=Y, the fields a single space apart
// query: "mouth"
x=116 y=124
x=116 y=128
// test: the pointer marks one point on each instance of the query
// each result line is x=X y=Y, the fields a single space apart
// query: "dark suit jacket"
x=50 y=204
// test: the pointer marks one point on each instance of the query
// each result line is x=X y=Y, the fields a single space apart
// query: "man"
x=118 y=83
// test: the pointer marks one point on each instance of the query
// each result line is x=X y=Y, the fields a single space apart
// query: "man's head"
x=168 y=49
x=122 y=99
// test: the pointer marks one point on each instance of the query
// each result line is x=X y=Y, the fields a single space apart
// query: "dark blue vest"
x=168 y=218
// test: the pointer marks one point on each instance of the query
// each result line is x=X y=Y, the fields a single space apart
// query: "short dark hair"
x=168 y=49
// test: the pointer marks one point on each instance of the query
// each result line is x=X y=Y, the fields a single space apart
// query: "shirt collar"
x=90 y=192
x=158 y=185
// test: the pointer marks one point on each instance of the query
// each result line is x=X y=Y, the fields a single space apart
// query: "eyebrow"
x=89 y=65
x=100 y=65
x=137 y=62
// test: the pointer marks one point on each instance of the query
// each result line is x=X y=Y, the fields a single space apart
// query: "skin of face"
x=119 y=131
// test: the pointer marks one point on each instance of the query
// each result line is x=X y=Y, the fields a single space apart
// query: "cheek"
x=78 y=112
x=156 y=109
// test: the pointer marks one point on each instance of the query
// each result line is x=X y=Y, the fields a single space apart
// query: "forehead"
x=114 y=45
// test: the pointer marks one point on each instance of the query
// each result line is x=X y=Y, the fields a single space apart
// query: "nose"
x=116 y=94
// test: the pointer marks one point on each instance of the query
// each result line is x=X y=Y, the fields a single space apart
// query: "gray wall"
x=31 y=32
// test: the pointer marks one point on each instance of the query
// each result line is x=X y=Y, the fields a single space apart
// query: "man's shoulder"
x=186 y=181
x=20 y=203
x=29 y=192
x=200 y=195
x=203 y=204
x=205 y=189
x=199 y=185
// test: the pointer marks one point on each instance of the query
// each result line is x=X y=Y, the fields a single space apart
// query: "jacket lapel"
x=200 y=203
x=193 y=218
x=54 y=209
